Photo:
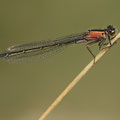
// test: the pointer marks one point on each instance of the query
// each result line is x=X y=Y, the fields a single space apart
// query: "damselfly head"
x=111 y=30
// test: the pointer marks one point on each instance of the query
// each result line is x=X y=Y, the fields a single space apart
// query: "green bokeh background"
x=26 y=90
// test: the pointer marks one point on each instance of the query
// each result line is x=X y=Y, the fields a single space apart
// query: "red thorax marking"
x=95 y=34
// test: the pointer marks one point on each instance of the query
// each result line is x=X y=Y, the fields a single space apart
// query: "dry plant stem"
x=76 y=80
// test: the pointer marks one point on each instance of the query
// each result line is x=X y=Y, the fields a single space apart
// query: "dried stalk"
x=77 y=79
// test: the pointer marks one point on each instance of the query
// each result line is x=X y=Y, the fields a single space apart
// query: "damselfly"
x=39 y=49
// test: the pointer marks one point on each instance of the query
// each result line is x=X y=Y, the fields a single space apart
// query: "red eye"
x=112 y=33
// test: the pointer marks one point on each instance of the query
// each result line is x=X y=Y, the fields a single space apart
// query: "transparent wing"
x=37 y=50
x=33 y=55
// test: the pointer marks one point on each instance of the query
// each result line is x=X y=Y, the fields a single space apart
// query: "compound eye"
x=112 y=32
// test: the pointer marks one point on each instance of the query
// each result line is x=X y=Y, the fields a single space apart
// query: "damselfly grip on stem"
x=39 y=49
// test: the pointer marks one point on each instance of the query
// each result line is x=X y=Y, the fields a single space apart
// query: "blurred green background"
x=26 y=90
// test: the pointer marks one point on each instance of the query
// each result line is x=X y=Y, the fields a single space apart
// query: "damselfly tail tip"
x=2 y=55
